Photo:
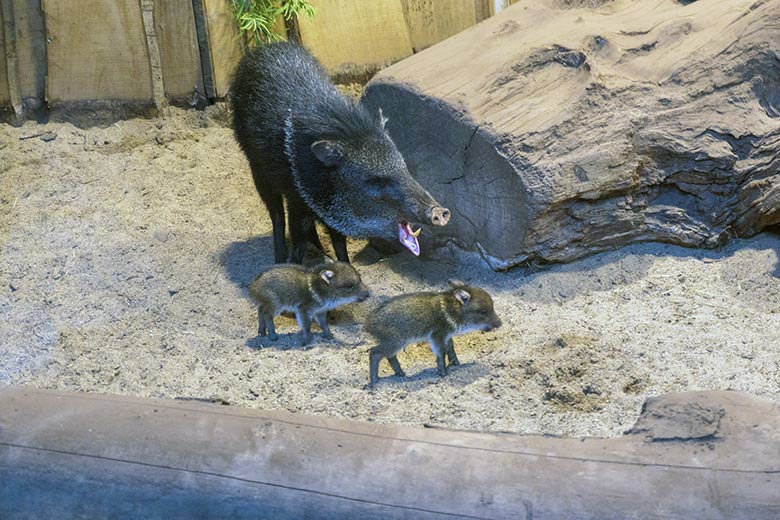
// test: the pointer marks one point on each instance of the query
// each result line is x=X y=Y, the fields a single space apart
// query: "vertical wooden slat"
x=12 y=64
x=174 y=22
x=224 y=42
x=153 y=51
x=30 y=51
x=5 y=97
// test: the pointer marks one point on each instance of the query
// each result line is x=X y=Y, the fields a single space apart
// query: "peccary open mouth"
x=408 y=238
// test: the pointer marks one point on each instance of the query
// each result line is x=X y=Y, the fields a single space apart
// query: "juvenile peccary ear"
x=327 y=275
x=330 y=153
x=462 y=296
x=456 y=284
x=382 y=119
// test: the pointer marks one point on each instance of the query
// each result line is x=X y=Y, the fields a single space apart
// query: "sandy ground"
x=125 y=252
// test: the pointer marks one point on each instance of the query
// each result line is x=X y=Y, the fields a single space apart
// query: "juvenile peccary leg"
x=304 y=322
x=260 y=321
x=396 y=366
x=339 y=242
x=453 y=358
x=439 y=348
x=322 y=321
x=375 y=356
x=269 y=321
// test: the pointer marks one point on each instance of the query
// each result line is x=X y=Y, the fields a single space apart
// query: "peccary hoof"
x=400 y=373
x=273 y=336
x=327 y=335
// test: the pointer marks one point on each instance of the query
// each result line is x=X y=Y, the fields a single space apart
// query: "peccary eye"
x=378 y=183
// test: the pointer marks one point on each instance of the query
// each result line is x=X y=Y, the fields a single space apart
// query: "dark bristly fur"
x=432 y=317
x=325 y=154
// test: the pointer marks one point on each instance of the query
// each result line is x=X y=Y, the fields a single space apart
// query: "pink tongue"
x=405 y=237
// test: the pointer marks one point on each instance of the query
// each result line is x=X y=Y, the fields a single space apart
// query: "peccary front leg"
x=339 y=242
x=304 y=322
x=439 y=349
x=301 y=220
x=322 y=321
x=375 y=356
x=453 y=358
x=260 y=321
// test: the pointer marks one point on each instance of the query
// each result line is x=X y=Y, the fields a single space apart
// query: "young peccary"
x=308 y=292
x=431 y=317
x=325 y=154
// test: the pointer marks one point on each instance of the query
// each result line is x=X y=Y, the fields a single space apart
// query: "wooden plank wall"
x=5 y=95
x=430 y=22
x=31 y=48
x=175 y=26
x=224 y=41
x=348 y=34
x=97 y=50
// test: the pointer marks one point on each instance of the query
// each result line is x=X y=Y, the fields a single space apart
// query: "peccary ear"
x=382 y=119
x=456 y=284
x=329 y=153
x=462 y=296
x=327 y=275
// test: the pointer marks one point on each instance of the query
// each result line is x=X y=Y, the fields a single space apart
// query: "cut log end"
x=553 y=133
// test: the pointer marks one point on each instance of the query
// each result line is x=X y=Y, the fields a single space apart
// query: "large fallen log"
x=554 y=131
x=64 y=455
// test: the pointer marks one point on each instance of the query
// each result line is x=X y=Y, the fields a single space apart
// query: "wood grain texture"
x=11 y=56
x=431 y=21
x=707 y=455
x=31 y=49
x=554 y=131
x=5 y=95
x=175 y=25
x=355 y=34
x=224 y=42
x=97 y=51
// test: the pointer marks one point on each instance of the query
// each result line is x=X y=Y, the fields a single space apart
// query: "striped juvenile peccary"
x=432 y=317
x=309 y=292
x=325 y=154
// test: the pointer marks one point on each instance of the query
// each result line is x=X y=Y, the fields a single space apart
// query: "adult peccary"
x=325 y=154
x=309 y=292
x=432 y=317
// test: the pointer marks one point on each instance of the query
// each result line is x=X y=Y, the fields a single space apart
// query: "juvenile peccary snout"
x=326 y=155
x=308 y=292
x=432 y=317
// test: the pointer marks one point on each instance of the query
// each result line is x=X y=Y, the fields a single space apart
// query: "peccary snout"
x=440 y=216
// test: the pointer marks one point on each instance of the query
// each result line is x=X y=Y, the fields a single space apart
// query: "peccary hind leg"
x=339 y=242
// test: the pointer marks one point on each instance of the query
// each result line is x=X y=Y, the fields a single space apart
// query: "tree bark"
x=555 y=131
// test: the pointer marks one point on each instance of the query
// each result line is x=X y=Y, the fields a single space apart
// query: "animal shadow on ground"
x=418 y=379
x=244 y=260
